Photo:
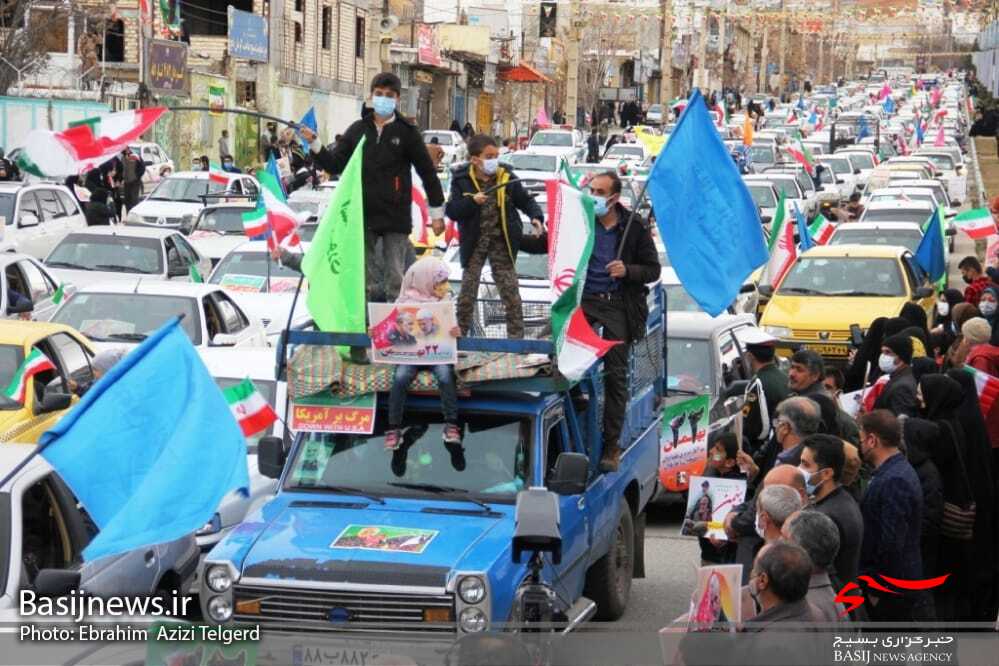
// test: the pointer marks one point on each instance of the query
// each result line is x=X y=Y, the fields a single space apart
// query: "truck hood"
x=299 y=544
x=833 y=313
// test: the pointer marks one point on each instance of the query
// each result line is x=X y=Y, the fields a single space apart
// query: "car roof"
x=901 y=204
x=899 y=226
x=125 y=232
x=855 y=250
x=8 y=258
x=147 y=287
x=700 y=325
x=242 y=205
x=256 y=363
x=21 y=332
x=15 y=185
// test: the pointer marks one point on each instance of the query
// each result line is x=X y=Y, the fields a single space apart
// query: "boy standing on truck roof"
x=623 y=261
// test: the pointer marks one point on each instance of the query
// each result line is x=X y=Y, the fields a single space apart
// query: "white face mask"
x=759 y=528
x=943 y=308
x=886 y=362
x=988 y=308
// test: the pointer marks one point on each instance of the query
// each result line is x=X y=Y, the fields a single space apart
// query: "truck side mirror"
x=55 y=583
x=570 y=474
x=270 y=457
x=537 y=523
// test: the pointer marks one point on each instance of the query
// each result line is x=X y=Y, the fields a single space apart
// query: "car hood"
x=87 y=278
x=301 y=543
x=213 y=245
x=150 y=208
x=829 y=312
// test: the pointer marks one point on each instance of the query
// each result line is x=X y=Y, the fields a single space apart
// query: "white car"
x=158 y=163
x=126 y=312
x=533 y=169
x=786 y=183
x=102 y=254
x=313 y=201
x=630 y=154
x=34 y=217
x=896 y=193
x=182 y=195
x=263 y=287
x=898 y=211
x=843 y=171
x=28 y=277
x=453 y=144
x=765 y=196
x=951 y=172
x=655 y=114
x=805 y=183
x=561 y=143
x=229 y=367
x=862 y=161
x=904 y=234
x=218 y=229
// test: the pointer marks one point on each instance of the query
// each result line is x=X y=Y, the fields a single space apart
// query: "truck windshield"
x=492 y=461
x=688 y=364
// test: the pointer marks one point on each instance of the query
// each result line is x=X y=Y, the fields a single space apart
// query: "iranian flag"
x=35 y=363
x=977 y=223
x=217 y=175
x=85 y=144
x=821 y=230
x=783 y=249
x=802 y=156
x=255 y=222
x=987 y=387
x=282 y=220
x=570 y=244
x=249 y=407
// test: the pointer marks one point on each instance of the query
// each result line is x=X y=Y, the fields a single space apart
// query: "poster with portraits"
x=716 y=603
x=709 y=500
x=413 y=333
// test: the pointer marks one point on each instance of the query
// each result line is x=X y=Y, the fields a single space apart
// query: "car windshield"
x=185 y=189
x=526 y=162
x=625 y=152
x=839 y=165
x=533 y=266
x=688 y=365
x=861 y=160
x=655 y=108
x=7 y=208
x=843 y=276
x=246 y=270
x=907 y=238
x=494 y=462
x=763 y=196
x=895 y=215
x=120 y=254
x=311 y=206
x=128 y=317
x=443 y=138
x=762 y=154
x=10 y=360
x=559 y=139
x=942 y=162
x=223 y=220
x=266 y=388
x=788 y=187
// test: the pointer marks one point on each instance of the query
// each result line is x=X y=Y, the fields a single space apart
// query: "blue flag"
x=801 y=100
x=930 y=253
x=889 y=105
x=272 y=169
x=805 y=241
x=705 y=214
x=309 y=120
x=813 y=119
x=863 y=130
x=151 y=449
x=919 y=131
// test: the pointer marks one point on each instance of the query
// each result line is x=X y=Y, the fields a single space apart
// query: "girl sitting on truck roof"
x=424 y=282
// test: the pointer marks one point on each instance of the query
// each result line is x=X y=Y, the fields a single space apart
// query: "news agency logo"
x=853 y=602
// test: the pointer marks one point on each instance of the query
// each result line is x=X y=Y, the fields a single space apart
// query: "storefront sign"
x=427 y=52
x=168 y=67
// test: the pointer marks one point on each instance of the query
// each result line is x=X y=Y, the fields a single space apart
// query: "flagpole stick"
x=267 y=286
x=244 y=112
x=631 y=217
x=282 y=358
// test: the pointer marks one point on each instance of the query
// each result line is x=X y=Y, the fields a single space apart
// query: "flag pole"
x=631 y=217
x=256 y=114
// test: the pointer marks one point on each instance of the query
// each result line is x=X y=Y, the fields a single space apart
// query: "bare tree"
x=29 y=31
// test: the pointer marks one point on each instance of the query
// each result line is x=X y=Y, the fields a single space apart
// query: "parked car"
x=158 y=163
x=102 y=254
x=561 y=143
x=30 y=278
x=34 y=217
x=182 y=195
x=453 y=144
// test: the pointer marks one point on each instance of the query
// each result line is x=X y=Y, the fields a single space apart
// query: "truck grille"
x=293 y=609
x=813 y=334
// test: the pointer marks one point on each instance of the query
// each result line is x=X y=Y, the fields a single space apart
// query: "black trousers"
x=612 y=316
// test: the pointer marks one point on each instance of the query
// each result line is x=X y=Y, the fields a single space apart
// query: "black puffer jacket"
x=389 y=159
x=919 y=436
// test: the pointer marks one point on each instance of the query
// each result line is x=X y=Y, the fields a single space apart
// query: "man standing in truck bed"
x=623 y=261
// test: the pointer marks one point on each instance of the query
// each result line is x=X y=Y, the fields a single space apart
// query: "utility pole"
x=666 y=53
x=818 y=76
x=702 y=53
x=572 y=60
x=783 y=45
x=761 y=84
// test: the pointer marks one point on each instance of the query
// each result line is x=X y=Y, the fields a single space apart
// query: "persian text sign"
x=247 y=35
x=167 y=67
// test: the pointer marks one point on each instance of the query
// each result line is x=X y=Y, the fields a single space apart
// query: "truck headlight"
x=472 y=590
x=218 y=579
x=220 y=609
x=471 y=620
x=778 y=331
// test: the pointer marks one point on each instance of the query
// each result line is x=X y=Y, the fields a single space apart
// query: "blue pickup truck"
x=422 y=539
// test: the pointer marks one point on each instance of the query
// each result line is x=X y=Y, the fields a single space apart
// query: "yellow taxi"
x=48 y=394
x=832 y=287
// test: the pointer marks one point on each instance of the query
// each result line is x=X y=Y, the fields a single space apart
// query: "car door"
x=235 y=322
x=53 y=224
x=75 y=219
x=573 y=513
x=36 y=285
x=28 y=233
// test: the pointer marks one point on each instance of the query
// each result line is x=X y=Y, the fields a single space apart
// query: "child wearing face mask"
x=485 y=198
x=722 y=463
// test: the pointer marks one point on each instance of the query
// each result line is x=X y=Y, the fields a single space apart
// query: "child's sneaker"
x=392 y=439
x=452 y=434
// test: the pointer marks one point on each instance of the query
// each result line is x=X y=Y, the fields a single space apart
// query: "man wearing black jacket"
x=393 y=147
x=623 y=261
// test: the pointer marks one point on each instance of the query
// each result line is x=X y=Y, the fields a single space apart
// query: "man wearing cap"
x=899 y=394
x=767 y=388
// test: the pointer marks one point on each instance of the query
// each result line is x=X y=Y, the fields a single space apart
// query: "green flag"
x=334 y=263
x=776 y=223
x=195 y=274
x=59 y=294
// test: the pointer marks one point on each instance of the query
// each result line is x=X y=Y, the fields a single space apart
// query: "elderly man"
x=818 y=535
x=779 y=584
x=822 y=461
x=805 y=378
x=794 y=420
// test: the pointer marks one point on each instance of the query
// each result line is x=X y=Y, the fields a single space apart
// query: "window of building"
x=299 y=5
x=327 y=27
x=298 y=32
x=359 y=36
x=207 y=17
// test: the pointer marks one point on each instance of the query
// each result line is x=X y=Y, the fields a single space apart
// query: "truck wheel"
x=608 y=582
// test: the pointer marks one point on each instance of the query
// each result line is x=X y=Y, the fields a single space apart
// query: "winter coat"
x=919 y=435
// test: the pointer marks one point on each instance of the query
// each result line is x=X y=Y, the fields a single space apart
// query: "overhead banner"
x=427 y=51
x=168 y=67
x=547 y=20
x=247 y=35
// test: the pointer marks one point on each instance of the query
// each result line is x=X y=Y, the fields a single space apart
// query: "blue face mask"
x=490 y=166
x=383 y=106
x=599 y=205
